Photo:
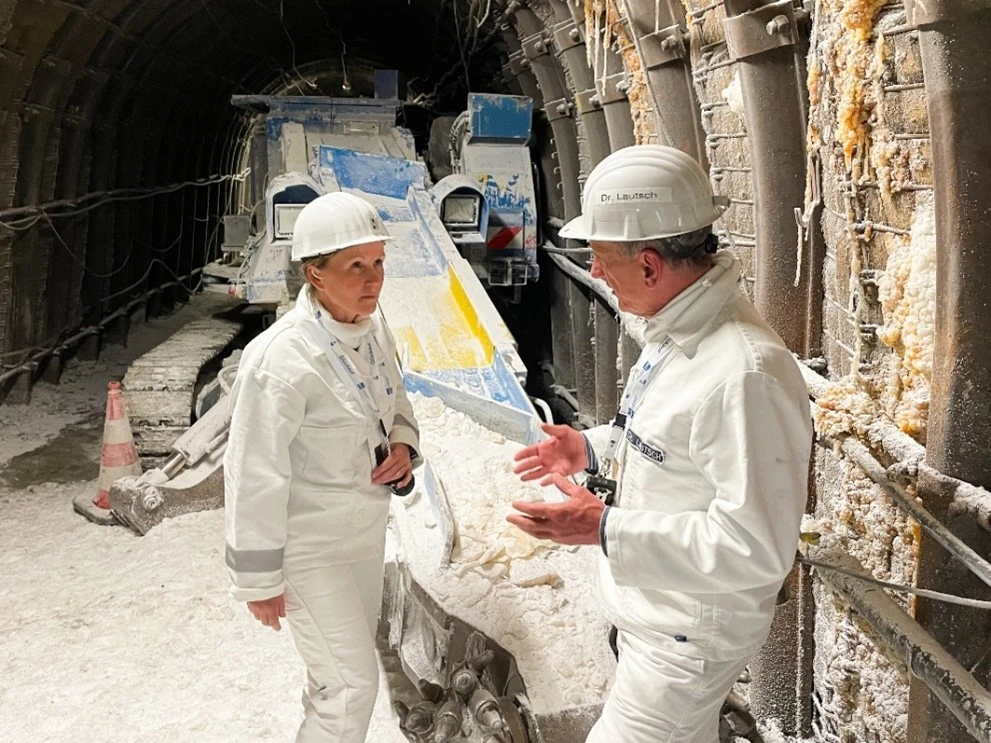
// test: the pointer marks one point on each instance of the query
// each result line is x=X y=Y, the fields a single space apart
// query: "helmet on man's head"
x=333 y=222
x=645 y=192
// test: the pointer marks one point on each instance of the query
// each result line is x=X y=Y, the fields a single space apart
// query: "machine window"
x=461 y=211
x=285 y=218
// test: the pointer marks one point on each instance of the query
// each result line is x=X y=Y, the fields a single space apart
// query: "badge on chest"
x=654 y=455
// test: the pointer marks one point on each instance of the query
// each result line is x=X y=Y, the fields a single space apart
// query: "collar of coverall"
x=351 y=334
x=688 y=315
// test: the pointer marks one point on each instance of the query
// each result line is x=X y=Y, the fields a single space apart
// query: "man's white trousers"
x=660 y=696
x=333 y=611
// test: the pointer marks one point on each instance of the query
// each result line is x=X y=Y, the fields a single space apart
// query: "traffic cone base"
x=119 y=458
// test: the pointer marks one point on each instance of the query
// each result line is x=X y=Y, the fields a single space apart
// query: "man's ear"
x=652 y=266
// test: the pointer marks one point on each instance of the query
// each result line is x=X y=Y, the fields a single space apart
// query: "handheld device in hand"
x=381 y=452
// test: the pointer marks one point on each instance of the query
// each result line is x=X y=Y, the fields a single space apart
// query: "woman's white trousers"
x=333 y=611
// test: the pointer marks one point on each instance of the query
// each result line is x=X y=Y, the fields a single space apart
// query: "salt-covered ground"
x=110 y=637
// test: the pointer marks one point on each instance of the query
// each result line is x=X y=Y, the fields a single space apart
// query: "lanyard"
x=346 y=372
x=640 y=379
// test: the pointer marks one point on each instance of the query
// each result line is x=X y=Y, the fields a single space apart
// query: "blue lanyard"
x=641 y=377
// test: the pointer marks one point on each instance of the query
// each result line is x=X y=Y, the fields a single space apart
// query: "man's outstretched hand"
x=574 y=521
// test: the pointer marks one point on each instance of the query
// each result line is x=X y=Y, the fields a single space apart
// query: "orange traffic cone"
x=119 y=458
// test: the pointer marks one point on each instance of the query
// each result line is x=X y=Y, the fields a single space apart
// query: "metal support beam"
x=762 y=38
x=19 y=392
x=580 y=302
x=616 y=105
x=89 y=349
x=953 y=38
x=51 y=369
x=606 y=356
x=563 y=357
x=118 y=330
x=570 y=45
x=661 y=36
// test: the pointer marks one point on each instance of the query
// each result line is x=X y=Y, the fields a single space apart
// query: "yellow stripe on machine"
x=470 y=315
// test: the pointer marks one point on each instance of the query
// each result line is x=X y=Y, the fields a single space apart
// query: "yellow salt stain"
x=448 y=335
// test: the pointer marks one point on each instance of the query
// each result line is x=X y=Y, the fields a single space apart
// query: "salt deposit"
x=534 y=598
x=733 y=94
x=907 y=290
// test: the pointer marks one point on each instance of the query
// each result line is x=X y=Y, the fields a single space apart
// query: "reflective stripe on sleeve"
x=254 y=561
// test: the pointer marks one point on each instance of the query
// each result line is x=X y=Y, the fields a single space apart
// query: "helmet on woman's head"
x=645 y=192
x=333 y=222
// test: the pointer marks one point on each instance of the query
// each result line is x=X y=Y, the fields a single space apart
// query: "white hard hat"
x=644 y=192
x=333 y=222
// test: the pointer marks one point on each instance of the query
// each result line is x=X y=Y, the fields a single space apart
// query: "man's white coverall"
x=712 y=483
x=302 y=515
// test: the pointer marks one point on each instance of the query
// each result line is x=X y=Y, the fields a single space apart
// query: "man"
x=705 y=464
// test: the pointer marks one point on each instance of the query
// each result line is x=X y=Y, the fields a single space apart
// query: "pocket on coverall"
x=329 y=454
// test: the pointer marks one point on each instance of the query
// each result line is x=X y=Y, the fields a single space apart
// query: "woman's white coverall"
x=712 y=484
x=302 y=515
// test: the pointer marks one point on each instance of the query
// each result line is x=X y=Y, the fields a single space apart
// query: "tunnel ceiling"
x=102 y=95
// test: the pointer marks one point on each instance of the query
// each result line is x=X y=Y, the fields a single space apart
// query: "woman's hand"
x=397 y=468
x=269 y=611
x=561 y=454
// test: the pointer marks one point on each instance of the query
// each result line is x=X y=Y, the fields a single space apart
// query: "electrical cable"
x=923 y=592
x=37 y=212
x=457 y=37
x=80 y=262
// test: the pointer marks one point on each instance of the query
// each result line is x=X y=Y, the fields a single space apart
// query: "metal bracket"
x=587 y=101
x=664 y=47
x=535 y=46
x=559 y=109
x=614 y=89
x=761 y=30
x=927 y=12
x=567 y=36
x=518 y=64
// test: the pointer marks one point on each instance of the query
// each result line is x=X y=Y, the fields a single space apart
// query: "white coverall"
x=712 y=484
x=302 y=515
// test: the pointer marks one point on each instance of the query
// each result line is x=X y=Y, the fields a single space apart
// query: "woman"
x=309 y=466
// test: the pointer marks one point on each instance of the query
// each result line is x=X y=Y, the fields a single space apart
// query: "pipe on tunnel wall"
x=559 y=109
x=659 y=31
x=953 y=39
x=763 y=37
x=570 y=43
x=927 y=660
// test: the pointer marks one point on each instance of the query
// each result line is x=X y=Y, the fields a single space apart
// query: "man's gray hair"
x=691 y=250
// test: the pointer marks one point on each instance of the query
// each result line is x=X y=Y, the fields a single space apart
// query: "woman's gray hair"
x=691 y=250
